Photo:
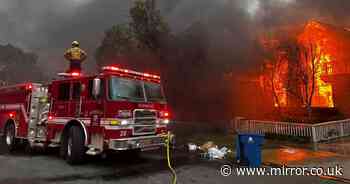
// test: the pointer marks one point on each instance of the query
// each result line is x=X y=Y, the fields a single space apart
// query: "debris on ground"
x=209 y=150
x=192 y=147
x=216 y=153
x=205 y=147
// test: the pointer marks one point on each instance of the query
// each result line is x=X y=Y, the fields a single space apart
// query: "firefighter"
x=75 y=56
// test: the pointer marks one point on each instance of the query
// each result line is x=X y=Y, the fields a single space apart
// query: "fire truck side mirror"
x=96 y=88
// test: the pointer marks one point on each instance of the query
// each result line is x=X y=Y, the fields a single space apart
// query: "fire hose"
x=168 y=139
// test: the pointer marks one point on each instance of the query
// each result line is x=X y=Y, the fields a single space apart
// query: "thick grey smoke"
x=48 y=26
x=263 y=12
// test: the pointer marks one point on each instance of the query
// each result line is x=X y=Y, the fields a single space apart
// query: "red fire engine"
x=117 y=109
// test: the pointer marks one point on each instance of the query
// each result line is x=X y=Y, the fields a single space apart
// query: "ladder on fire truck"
x=38 y=110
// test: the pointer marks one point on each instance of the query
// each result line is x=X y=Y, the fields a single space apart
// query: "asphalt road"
x=149 y=168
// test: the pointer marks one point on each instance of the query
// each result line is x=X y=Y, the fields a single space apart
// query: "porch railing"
x=316 y=132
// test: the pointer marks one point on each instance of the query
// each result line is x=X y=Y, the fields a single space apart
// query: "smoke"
x=48 y=26
x=236 y=23
x=289 y=12
x=216 y=37
x=262 y=12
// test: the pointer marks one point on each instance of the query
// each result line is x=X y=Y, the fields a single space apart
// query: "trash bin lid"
x=251 y=138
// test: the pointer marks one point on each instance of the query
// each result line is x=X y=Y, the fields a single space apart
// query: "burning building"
x=335 y=45
x=311 y=68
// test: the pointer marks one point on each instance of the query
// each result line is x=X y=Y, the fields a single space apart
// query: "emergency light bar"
x=73 y=74
x=116 y=69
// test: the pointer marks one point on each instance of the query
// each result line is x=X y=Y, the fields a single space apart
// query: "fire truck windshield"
x=125 y=89
x=154 y=92
x=129 y=89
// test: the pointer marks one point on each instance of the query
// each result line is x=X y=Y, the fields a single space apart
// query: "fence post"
x=232 y=126
x=341 y=129
x=314 y=146
x=236 y=124
x=313 y=132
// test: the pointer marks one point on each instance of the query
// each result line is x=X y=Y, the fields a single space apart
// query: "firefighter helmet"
x=75 y=43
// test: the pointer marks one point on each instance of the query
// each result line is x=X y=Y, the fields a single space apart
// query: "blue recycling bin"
x=248 y=149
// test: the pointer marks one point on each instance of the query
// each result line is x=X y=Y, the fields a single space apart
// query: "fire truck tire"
x=75 y=146
x=9 y=137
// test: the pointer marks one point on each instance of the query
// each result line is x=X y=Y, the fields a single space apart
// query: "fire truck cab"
x=117 y=109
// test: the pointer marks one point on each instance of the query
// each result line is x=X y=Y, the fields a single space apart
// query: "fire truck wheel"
x=75 y=146
x=10 y=139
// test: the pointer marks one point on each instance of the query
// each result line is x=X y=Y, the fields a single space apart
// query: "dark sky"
x=47 y=27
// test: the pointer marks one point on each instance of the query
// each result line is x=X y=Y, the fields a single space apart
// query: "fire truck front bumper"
x=143 y=142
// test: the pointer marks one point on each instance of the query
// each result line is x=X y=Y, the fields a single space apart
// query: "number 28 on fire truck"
x=118 y=109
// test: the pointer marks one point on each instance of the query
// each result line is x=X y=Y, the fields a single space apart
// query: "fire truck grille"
x=145 y=121
x=141 y=130
x=145 y=114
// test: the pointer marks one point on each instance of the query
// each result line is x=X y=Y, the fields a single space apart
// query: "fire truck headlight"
x=166 y=121
x=41 y=132
x=125 y=122
x=32 y=132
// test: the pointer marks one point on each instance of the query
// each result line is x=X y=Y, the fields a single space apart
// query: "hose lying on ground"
x=168 y=140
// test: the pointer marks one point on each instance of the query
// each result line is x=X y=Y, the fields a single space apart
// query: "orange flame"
x=317 y=34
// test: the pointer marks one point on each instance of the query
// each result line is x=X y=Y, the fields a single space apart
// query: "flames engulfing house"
x=314 y=68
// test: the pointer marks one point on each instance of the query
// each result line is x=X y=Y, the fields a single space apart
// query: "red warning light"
x=164 y=114
x=29 y=87
x=50 y=118
x=11 y=115
x=75 y=74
